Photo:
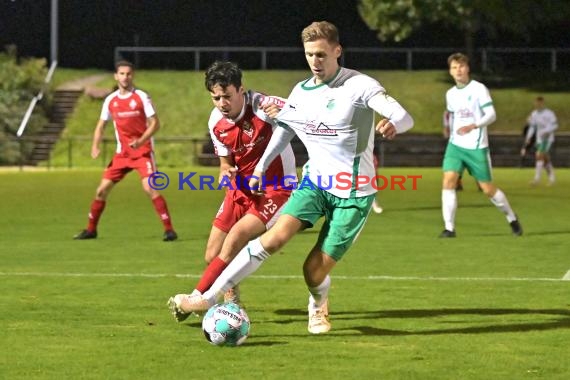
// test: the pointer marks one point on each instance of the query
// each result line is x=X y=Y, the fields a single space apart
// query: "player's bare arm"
x=227 y=168
x=97 y=138
x=153 y=125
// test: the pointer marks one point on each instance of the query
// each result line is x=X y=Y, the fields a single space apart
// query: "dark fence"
x=406 y=150
x=361 y=58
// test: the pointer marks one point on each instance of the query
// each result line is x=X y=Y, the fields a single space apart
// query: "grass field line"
x=566 y=277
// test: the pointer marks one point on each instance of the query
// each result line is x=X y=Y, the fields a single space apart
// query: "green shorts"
x=543 y=147
x=476 y=161
x=344 y=218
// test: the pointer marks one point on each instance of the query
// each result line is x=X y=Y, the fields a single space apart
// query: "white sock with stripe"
x=245 y=263
x=319 y=294
x=538 y=170
x=500 y=200
x=448 y=208
x=550 y=171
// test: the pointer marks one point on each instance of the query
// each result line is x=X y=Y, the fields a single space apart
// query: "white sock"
x=448 y=208
x=550 y=171
x=500 y=200
x=319 y=294
x=245 y=263
x=538 y=170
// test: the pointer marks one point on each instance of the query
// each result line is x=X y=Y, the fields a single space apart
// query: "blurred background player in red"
x=240 y=131
x=135 y=121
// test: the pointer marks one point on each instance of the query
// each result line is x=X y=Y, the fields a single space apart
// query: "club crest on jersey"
x=330 y=104
x=247 y=128
x=133 y=104
x=320 y=130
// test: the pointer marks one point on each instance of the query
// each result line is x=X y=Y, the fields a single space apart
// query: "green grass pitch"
x=404 y=304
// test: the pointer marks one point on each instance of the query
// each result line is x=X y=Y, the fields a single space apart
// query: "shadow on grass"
x=561 y=320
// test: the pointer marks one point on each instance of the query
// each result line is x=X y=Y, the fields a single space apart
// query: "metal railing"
x=407 y=150
x=491 y=59
x=75 y=152
x=36 y=99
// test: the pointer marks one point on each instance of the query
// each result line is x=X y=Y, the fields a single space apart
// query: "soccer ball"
x=226 y=324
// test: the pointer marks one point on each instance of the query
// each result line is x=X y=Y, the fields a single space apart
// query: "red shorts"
x=120 y=166
x=236 y=204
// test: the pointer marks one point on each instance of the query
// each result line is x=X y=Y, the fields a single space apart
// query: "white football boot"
x=319 y=319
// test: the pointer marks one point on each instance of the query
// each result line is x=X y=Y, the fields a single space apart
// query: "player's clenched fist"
x=386 y=129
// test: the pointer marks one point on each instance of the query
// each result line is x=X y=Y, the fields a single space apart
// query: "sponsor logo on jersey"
x=320 y=130
x=464 y=113
x=248 y=146
x=126 y=114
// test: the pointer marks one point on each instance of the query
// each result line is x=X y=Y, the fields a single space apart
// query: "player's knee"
x=488 y=189
x=449 y=183
x=273 y=241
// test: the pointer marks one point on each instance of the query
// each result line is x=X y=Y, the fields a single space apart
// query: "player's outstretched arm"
x=97 y=138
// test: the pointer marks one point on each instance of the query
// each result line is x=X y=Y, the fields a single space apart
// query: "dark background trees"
x=89 y=31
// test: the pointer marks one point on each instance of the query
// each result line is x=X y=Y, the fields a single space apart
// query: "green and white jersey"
x=336 y=125
x=543 y=122
x=467 y=106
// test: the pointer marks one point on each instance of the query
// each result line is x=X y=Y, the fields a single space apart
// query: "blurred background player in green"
x=471 y=107
x=542 y=123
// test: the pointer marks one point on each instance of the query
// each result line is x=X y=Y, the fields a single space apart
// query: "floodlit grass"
x=404 y=304
x=184 y=106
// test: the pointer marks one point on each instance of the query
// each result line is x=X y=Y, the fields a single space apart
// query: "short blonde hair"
x=319 y=30
x=459 y=57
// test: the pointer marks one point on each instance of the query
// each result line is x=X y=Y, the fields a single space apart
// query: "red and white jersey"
x=129 y=113
x=245 y=139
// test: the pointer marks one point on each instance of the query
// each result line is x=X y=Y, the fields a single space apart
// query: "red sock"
x=162 y=210
x=97 y=208
x=210 y=274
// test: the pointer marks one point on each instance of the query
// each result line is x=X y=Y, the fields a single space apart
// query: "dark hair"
x=224 y=74
x=459 y=57
x=123 y=63
x=540 y=98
